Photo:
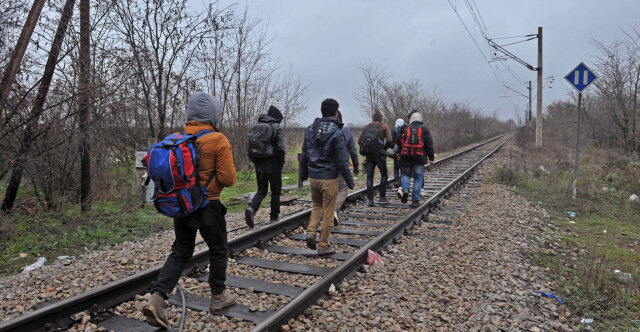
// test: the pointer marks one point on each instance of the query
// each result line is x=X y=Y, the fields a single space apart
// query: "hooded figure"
x=215 y=160
x=413 y=158
x=324 y=158
x=378 y=159
x=269 y=170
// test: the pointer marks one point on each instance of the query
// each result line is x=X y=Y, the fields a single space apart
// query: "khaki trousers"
x=323 y=195
x=343 y=190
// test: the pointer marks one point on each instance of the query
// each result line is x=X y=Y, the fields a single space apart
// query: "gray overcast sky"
x=325 y=41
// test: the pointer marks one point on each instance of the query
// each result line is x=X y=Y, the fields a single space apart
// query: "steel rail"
x=59 y=314
x=348 y=267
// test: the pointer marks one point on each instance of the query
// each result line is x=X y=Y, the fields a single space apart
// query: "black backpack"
x=370 y=142
x=412 y=144
x=260 y=141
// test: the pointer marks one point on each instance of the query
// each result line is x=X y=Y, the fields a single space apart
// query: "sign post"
x=580 y=78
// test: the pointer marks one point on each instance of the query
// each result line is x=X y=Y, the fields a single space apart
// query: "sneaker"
x=415 y=204
x=248 y=216
x=405 y=195
x=311 y=241
x=335 y=218
x=221 y=300
x=399 y=192
x=371 y=203
x=273 y=219
x=383 y=200
x=326 y=251
x=154 y=312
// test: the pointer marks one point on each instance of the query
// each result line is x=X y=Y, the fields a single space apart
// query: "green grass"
x=584 y=264
x=52 y=234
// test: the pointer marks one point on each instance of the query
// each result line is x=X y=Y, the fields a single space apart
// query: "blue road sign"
x=580 y=77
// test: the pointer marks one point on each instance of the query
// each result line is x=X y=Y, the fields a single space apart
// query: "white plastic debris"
x=544 y=169
x=605 y=189
x=62 y=257
x=624 y=277
x=604 y=231
x=633 y=198
x=285 y=177
x=332 y=288
x=40 y=262
x=586 y=321
x=616 y=271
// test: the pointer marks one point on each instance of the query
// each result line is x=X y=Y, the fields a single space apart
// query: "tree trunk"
x=21 y=46
x=84 y=104
x=38 y=104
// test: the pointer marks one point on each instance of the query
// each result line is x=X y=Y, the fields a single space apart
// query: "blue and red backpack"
x=172 y=165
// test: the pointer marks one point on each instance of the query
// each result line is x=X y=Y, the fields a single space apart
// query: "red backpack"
x=412 y=144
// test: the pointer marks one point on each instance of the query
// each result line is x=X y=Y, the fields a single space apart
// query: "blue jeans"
x=417 y=173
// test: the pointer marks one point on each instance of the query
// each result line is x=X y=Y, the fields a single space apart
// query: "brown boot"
x=219 y=301
x=154 y=311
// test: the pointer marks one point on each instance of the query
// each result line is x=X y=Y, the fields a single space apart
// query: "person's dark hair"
x=340 y=116
x=329 y=107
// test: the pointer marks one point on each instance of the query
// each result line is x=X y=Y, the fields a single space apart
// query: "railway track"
x=294 y=274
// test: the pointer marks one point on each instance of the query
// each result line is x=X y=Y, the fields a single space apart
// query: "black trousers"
x=211 y=223
x=371 y=163
x=264 y=179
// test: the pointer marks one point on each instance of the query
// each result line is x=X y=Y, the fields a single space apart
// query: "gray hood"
x=203 y=107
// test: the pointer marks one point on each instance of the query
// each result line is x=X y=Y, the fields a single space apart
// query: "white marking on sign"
x=576 y=77
x=585 y=78
x=139 y=156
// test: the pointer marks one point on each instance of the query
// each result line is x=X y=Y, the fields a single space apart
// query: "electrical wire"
x=184 y=309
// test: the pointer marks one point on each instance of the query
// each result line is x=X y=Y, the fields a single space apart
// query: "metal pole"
x=539 y=93
x=529 y=101
x=575 y=167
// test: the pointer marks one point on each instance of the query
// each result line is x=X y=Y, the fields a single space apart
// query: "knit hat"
x=377 y=115
x=204 y=108
x=399 y=123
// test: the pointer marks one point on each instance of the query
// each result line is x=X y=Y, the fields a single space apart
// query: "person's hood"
x=415 y=116
x=399 y=123
x=273 y=116
x=203 y=107
x=323 y=128
x=377 y=115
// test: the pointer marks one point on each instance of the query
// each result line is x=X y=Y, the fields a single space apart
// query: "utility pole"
x=529 y=88
x=84 y=104
x=539 y=93
x=21 y=46
x=539 y=85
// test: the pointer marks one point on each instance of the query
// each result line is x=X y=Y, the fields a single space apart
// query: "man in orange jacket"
x=215 y=158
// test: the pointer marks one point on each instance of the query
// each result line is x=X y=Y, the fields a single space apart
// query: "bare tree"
x=162 y=37
x=27 y=137
x=618 y=84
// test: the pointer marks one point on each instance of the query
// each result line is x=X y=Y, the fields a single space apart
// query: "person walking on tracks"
x=396 y=156
x=373 y=140
x=342 y=183
x=416 y=149
x=324 y=158
x=216 y=168
x=266 y=151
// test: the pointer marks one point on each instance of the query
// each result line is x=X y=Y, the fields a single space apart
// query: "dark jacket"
x=351 y=147
x=276 y=162
x=324 y=152
x=427 y=148
x=384 y=134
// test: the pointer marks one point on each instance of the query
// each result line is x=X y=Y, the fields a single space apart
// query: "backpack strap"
x=198 y=135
